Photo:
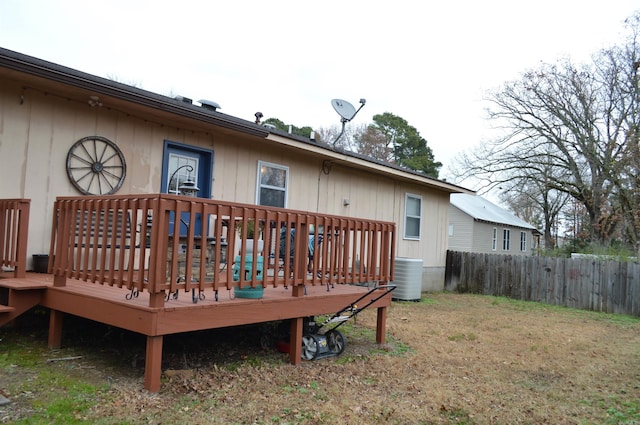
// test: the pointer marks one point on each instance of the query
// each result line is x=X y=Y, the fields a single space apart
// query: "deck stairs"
x=18 y=295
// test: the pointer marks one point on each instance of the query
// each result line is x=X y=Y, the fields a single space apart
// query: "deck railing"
x=14 y=229
x=164 y=244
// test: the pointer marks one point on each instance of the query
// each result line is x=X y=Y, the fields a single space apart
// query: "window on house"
x=506 y=238
x=494 y=239
x=412 y=216
x=523 y=241
x=273 y=180
x=180 y=169
x=451 y=230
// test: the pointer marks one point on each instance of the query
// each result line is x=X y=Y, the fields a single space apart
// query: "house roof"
x=12 y=62
x=482 y=210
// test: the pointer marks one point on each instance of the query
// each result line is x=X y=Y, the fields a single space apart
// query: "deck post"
x=295 y=338
x=295 y=341
x=297 y=291
x=381 y=325
x=55 y=329
x=156 y=299
x=59 y=280
x=153 y=364
x=23 y=231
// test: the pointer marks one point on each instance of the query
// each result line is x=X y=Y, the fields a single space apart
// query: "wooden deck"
x=114 y=306
x=113 y=259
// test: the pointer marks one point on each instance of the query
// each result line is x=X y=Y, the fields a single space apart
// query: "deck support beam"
x=381 y=325
x=153 y=364
x=55 y=329
x=295 y=341
x=297 y=324
x=112 y=307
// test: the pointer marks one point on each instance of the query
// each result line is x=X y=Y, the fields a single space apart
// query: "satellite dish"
x=343 y=108
x=346 y=111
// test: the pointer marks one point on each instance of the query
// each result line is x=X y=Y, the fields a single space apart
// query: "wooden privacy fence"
x=14 y=227
x=168 y=243
x=589 y=284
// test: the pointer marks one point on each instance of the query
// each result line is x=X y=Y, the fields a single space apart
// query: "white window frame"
x=506 y=239
x=260 y=186
x=523 y=241
x=175 y=162
x=494 y=240
x=408 y=217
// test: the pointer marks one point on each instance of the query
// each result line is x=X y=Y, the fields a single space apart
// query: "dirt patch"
x=449 y=359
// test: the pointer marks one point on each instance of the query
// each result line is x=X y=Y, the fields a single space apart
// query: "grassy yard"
x=450 y=359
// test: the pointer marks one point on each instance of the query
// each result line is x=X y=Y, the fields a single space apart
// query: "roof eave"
x=334 y=156
x=51 y=71
x=48 y=70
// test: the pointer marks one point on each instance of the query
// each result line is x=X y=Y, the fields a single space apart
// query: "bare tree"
x=347 y=141
x=571 y=129
x=534 y=201
x=623 y=65
x=372 y=142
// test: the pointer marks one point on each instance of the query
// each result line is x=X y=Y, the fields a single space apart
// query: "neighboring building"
x=477 y=225
x=60 y=127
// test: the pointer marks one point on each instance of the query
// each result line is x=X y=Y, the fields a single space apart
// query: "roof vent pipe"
x=183 y=99
x=209 y=104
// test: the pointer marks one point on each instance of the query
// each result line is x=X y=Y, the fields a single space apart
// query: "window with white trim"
x=412 y=216
x=273 y=180
x=494 y=239
x=506 y=239
x=523 y=241
x=180 y=169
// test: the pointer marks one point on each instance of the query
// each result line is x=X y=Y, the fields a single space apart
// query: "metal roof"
x=482 y=210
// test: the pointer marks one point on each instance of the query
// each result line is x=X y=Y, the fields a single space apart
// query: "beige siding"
x=37 y=130
x=13 y=147
x=433 y=242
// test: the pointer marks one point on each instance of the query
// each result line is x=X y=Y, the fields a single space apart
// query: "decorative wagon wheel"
x=96 y=166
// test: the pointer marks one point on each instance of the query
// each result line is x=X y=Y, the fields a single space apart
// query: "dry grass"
x=450 y=359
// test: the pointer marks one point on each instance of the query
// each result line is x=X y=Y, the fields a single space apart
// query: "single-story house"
x=64 y=132
x=137 y=197
x=477 y=225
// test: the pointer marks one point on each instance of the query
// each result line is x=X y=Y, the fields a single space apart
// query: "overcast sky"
x=430 y=63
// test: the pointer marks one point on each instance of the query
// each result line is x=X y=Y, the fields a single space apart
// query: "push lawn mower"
x=322 y=339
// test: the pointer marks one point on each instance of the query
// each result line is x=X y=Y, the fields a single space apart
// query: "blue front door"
x=182 y=163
